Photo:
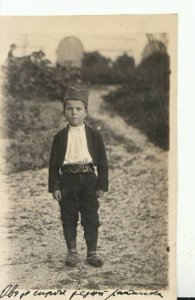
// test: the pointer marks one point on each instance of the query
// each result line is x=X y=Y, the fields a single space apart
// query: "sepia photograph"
x=88 y=153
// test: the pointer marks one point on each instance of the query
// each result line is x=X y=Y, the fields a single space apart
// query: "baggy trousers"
x=79 y=196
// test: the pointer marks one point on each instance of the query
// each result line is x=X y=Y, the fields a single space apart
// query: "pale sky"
x=110 y=35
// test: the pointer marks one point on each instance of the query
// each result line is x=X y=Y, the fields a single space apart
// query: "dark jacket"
x=96 y=149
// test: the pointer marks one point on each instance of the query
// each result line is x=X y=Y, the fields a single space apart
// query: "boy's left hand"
x=100 y=193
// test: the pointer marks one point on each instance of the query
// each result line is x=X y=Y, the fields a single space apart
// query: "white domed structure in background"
x=70 y=52
x=156 y=43
x=152 y=47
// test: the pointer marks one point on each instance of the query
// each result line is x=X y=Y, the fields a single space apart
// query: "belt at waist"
x=77 y=168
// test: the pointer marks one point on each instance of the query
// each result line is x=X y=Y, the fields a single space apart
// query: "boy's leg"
x=89 y=205
x=69 y=185
x=69 y=218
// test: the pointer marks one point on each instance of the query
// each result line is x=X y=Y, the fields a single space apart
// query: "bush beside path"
x=133 y=233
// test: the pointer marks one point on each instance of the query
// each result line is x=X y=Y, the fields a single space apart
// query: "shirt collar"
x=77 y=128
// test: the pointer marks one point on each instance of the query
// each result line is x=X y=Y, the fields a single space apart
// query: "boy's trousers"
x=79 y=195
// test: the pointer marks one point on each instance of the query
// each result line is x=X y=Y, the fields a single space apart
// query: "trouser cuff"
x=71 y=245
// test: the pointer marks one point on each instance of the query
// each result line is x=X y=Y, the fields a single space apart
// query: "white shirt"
x=77 y=150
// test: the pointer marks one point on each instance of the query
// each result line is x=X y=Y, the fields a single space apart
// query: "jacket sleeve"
x=102 y=165
x=53 y=183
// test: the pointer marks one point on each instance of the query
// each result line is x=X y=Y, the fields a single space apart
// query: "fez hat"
x=74 y=93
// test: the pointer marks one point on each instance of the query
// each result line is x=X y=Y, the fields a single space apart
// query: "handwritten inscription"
x=85 y=294
x=12 y=291
x=117 y=292
x=9 y=291
x=50 y=293
x=134 y=293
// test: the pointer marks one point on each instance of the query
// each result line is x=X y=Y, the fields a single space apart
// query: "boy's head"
x=75 y=105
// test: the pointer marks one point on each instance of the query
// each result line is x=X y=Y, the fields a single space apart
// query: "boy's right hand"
x=57 y=195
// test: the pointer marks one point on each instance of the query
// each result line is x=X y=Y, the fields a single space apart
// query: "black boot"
x=94 y=260
x=70 y=238
x=71 y=259
x=91 y=237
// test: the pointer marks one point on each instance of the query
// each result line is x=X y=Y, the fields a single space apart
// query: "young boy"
x=76 y=150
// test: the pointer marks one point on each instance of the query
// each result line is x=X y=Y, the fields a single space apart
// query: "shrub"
x=96 y=68
x=144 y=100
x=34 y=76
x=123 y=68
x=30 y=127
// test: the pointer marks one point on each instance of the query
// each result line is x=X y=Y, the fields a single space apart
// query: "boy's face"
x=75 y=112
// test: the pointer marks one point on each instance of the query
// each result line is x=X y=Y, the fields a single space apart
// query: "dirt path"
x=133 y=234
